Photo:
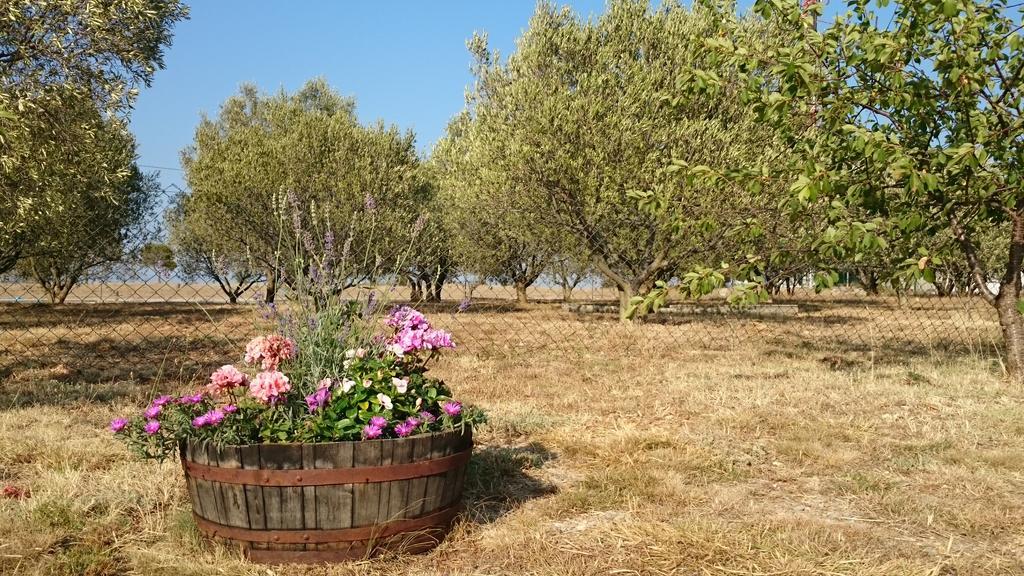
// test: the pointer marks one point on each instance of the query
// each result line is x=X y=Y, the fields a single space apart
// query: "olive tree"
x=579 y=122
x=55 y=54
x=287 y=179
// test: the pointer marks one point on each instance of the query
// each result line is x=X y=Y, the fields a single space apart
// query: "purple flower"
x=215 y=417
x=464 y=305
x=317 y=399
x=193 y=399
x=161 y=400
x=200 y=421
x=371 y=432
x=152 y=412
x=412 y=421
x=428 y=417
x=230 y=409
x=452 y=408
x=118 y=424
x=151 y=427
x=379 y=422
x=404 y=429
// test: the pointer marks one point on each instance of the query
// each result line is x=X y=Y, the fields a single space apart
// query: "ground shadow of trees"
x=501 y=478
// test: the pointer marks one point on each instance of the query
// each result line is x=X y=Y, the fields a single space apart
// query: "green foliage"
x=58 y=56
x=560 y=141
x=285 y=172
x=158 y=257
x=907 y=132
x=89 y=200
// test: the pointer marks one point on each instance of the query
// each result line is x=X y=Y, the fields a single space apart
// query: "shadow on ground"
x=500 y=479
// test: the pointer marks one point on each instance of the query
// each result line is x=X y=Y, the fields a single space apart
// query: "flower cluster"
x=376 y=389
x=270 y=351
x=413 y=333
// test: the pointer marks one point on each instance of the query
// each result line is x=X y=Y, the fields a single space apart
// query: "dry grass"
x=621 y=451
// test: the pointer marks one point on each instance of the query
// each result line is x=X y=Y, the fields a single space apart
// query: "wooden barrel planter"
x=327 y=502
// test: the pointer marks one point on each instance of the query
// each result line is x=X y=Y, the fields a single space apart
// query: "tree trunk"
x=868 y=281
x=567 y=293
x=625 y=296
x=271 y=288
x=521 y=297
x=1010 y=321
x=415 y=291
x=232 y=298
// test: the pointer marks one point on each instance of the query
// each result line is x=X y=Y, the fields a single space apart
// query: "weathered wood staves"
x=329 y=501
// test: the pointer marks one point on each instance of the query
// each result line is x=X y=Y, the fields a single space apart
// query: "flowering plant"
x=376 y=388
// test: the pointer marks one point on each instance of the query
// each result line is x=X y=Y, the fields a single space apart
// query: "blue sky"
x=404 y=61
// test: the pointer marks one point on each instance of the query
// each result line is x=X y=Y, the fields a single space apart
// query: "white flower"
x=347 y=384
x=419 y=402
x=402 y=384
x=346 y=364
x=360 y=352
x=385 y=401
x=397 y=350
x=367 y=382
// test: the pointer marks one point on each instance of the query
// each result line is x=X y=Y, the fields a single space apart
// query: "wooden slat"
x=457 y=442
x=384 y=502
x=205 y=489
x=250 y=456
x=460 y=476
x=333 y=503
x=233 y=495
x=308 y=493
x=197 y=504
x=442 y=445
x=418 y=487
x=398 y=501
x=366 y=497
x=283 y=506
x=213 y=459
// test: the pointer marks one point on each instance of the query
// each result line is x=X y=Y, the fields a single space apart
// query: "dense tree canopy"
x=563 y=137
x=57 y=59
x=912 y=130
x=296 y=178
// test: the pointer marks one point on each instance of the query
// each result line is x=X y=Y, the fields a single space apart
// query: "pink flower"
x=267 y=387
x=118 y=424
x=152 y=412
x=325 y=383
x=193 y=399
x=151 y=427
x=438 y=339
x=410 y=339
x=161 y=400
x=270 y=351
x=401 y=384
x=225 y=378
x=379 y=422
x=404 y=429
x=230 y=409
x=406 y=317
x=428 y=417
x=201 y=420
x=317 y=399
x=452 y=408
x=371 y=432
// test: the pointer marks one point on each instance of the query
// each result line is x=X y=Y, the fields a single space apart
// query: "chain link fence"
x=135 y=312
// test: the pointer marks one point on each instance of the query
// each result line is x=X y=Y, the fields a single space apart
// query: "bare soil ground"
x=840 y=442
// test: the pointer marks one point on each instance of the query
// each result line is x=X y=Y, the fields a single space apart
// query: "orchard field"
x=619 y=452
